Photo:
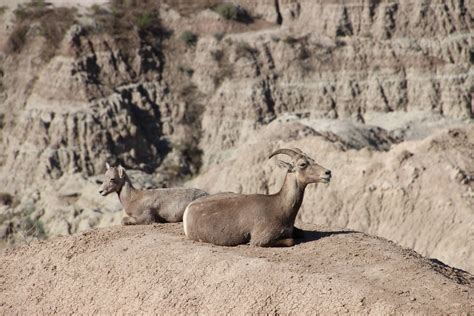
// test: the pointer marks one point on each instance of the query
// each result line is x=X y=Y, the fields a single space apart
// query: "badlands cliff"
x=377 y=91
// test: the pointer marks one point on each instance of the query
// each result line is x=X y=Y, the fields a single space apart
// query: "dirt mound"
x=155 y=269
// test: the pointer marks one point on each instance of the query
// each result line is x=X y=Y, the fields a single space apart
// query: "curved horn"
x=299 y=151
x=285 y=151
x=302 y=153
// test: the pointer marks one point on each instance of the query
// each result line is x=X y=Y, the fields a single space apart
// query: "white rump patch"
x=185 y=220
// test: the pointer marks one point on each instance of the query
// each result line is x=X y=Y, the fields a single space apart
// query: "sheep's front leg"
x=127 y=220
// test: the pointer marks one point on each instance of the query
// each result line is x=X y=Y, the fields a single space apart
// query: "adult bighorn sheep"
x=230 y=219
x=147 y=206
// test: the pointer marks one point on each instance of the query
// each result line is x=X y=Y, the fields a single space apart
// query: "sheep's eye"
x=302 y=164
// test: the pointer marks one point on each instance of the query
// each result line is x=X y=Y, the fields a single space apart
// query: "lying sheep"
x=230 y=219
x=147 y=206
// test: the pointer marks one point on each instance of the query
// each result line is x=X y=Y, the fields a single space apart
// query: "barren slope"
x=156 y=270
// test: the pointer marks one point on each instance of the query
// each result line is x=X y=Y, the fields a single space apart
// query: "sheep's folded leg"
x=287 y=242
x=126 y=220
x=147 y=217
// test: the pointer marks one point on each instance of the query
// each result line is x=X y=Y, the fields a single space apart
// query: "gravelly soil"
x=155 y=269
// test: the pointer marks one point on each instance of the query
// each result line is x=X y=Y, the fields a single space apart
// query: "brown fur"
x=231 y=219
x=147 y=206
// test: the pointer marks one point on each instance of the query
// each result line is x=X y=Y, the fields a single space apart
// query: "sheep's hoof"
x=128 y=221
x=288 y=242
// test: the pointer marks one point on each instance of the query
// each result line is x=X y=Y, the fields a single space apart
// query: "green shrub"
x=227 y=10
x=275 y=39
x=3 y=9
x=33 y=228
x=230 y=11
x=189 y=38
x=144 y=21
x=219 y=36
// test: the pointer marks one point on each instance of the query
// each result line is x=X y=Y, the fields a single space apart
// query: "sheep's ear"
x=107 y=165
x=286 y=165
x=121 y=171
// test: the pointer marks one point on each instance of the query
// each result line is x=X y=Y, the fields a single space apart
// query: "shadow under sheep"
x=303 y=236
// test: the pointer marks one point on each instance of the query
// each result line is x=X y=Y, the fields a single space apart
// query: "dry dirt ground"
x=154 y=269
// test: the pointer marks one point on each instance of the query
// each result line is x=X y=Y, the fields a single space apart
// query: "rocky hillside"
x=155 y=270
x=199 y=93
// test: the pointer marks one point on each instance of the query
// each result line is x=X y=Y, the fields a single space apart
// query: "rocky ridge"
x=154 y=269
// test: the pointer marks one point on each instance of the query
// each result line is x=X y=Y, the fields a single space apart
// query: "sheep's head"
x=305 y=168
x=113 y=180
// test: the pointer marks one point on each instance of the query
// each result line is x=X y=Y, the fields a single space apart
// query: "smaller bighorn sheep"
x=230 y=219
x=147 y=206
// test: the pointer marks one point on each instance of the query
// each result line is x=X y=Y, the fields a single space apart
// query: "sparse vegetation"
x=145 y=21
x=226 y=71
x=227 y=10
x=49 y=22
x=189 y=38
x=243 y=49
x=128 y=16
x=97 y=10
x=303 y=53
x=219 y=36
x=130 y=23
x=230 y=11
x=275 y=39
x=3 y=9
x=186 y=70
x=217 y=54
x=290 y=40
x=21 y=225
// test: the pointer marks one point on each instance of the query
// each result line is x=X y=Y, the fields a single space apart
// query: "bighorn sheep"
x=230 y=219
x=147 y=206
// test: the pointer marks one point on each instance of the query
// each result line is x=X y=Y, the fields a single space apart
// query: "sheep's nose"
x=328 y=172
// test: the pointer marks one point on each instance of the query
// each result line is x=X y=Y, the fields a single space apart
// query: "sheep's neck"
x=126 y=192
x=291 y=196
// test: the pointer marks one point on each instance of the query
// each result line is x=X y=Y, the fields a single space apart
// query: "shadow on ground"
x=302 y=235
